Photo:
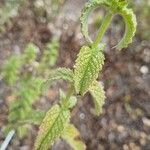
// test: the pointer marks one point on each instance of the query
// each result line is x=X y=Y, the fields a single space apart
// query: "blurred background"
x=37 y=36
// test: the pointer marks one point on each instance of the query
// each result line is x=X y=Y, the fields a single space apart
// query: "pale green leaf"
x=98 y=94
x=52 y=127
x=35 y=118
x=60 y=73
x=50 y=54
x=130 y=28
x=88 y=7
x=11 y=69
x=72 y=136
x=30 y=53
x=87 y=67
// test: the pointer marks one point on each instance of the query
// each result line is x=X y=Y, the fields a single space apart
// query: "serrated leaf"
x=52 y=127
x=72 y=136
x=30 y=52
x=35 y=117
x=130 y=28
x=11 y=69
x=116 y=7
x=60 y=73
x=50 y=54
x=88 y=7
x=98 y=94
x=87 y=67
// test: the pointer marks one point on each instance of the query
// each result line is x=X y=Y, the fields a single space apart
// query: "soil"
x=125 y=121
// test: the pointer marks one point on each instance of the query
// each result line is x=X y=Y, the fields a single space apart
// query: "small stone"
x=144 y=70
x=143 y=142
x=125 y=147
x=146 y=121
x=82 y=116
x=121 y=128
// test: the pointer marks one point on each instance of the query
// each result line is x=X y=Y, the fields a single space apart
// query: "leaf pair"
x=114 y=7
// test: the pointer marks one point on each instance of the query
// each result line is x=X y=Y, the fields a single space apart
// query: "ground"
x=125 y=121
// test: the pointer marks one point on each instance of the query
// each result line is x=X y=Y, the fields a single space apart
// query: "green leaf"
x=11 y=69
x=88 y=7
x=60 y=73
x=87 y=67
x=35 y=117
x=30 y=53
x=72 y=136
x=130 y=27
x=50 y=54
x=98 y=94
x=115 y=7
x=52 y=127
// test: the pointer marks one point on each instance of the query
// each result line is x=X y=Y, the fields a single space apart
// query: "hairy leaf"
x=87 y=67
x=116 y=7
x=72 y=136
x=130 y=28
x=52 y=127
x=35 y=117
x=30 y=53
x=11 y=69
x=50 y=54
x=60 y=73
x=98 y=94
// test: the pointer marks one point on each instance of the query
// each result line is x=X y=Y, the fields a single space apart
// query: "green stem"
x=70 y=92
x=68 y=95
x=102 y=29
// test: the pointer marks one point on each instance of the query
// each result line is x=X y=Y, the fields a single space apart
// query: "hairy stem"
x=102 y=29
x=70 y=92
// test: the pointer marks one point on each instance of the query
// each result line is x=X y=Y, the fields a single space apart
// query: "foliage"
x=114 y=7
x=87 y=67
x=89 y=62
x=50 y=54
x=26 y=86
x=11 y=69
x=54 y=123
x=98 y=94
x=82 y=79
x=71 y=135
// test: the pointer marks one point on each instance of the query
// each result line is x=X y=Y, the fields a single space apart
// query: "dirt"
x=125 y=121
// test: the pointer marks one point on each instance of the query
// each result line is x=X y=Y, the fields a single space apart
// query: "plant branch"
x=102 y=29
x=70 y=92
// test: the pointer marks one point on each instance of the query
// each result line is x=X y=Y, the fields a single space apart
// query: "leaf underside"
x=72 y=136
x=60 y=73
x=87 y=67
x=52 y=127
x=116 y=7
x=98 y=94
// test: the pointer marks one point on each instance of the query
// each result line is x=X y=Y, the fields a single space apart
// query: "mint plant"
x=25 y=85
x=82 y=78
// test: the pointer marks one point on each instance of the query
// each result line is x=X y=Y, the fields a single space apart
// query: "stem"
x=70 y=92
x=102 y=29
